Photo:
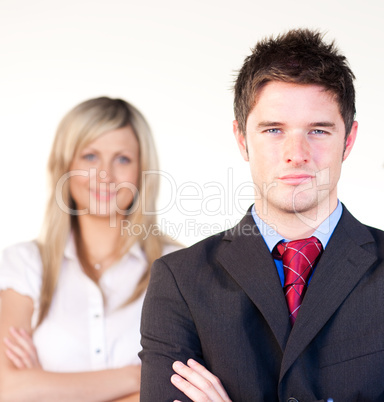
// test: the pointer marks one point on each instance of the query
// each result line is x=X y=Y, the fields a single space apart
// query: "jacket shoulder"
x=201 y=251
x=207 y=249
x=377 y=234
x=368 y=237
x=378 y=237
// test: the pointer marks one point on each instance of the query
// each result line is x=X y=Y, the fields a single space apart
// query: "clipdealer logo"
x=191 y=199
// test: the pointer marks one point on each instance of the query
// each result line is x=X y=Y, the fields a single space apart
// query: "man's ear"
x=350 y=140
x=241 y=140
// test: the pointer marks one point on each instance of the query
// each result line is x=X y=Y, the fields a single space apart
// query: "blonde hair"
x=82 y=125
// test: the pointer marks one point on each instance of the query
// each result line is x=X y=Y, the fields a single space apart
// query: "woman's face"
x=105 y=174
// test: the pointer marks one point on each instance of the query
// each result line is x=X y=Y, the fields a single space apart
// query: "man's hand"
x=21 y=350
x=198 y=383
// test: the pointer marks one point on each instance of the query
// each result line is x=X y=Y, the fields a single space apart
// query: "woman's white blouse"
x=81 y=331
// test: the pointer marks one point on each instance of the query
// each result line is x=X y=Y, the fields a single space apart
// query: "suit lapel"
x=341 y=267
x=247 y=259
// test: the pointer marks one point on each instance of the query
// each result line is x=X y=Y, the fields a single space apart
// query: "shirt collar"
x=70 y=251
x=70 y=248
x=136 y=251
x=323 y=232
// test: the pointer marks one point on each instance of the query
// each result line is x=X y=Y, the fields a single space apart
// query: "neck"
x=99 y=240
x=296 y=225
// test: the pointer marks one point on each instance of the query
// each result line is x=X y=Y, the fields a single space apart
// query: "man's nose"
x=296 y=150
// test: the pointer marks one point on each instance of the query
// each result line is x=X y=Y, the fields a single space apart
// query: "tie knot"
x=299 y=259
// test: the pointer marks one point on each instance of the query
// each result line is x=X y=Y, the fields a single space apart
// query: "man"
x=239 y=302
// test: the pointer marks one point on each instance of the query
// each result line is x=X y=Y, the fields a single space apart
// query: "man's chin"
x=306 y=206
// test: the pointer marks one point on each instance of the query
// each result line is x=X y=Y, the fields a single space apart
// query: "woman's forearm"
x=130 y=398
x=38 y=385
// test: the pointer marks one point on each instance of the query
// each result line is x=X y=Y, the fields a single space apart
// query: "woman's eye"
x=123 y=159
x=89 y=157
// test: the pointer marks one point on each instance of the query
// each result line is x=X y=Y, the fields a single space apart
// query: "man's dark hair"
x=298 y=56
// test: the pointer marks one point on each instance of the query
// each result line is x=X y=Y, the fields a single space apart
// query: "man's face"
x=294 y=142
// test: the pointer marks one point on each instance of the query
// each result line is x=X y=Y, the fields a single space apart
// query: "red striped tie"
x=299 y=259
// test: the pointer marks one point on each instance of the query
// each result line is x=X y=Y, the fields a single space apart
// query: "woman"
x=71 y=300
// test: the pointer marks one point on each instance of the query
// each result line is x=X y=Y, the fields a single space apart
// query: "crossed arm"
x=199 y=384
x=22 y=378
x=169 y=334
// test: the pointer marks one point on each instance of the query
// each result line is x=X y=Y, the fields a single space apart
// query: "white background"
x=175 y=60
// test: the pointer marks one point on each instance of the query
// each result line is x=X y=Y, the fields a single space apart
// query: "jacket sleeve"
x=168 y=333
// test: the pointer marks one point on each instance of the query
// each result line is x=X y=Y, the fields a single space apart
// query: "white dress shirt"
x=81 y=332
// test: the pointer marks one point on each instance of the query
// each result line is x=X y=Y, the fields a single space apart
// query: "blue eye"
x=273 y=131
x=318 y=132
x=89 y=157
x=123 y=159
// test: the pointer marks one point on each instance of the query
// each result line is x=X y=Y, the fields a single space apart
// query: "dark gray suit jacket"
x=221 y=302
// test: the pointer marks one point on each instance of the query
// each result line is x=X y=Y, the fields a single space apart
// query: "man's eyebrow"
x=311 y=124
x=322 y=124
x=263 y=124
x=266 y=123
